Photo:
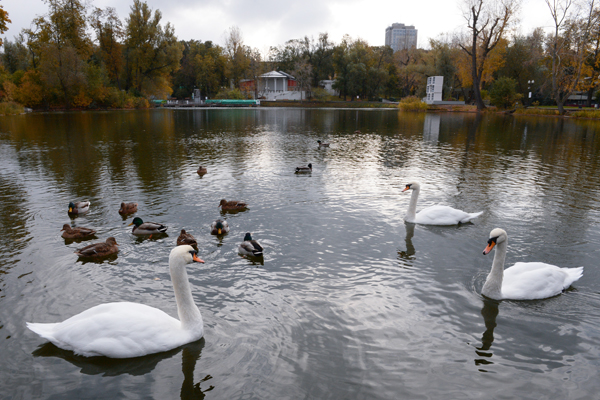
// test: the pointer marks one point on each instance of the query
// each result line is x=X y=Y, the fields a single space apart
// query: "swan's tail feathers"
x=470 y=217
x=573 y=274
x=44 y=330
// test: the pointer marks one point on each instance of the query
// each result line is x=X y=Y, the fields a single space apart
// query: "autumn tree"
x=238 y=59
x=487 y=22
x=568 y=46
x=4 y=21
x=15 y=56
x=151 y=52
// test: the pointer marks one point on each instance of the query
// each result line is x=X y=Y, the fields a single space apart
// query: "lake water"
x=349 y=302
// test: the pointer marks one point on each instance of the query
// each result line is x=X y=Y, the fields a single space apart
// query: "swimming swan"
x=523 y=281
x=434 y=215
x=123 y=330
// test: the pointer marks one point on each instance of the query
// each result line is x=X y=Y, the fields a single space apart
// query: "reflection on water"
x=489 y=312
x=346 y=290
x=190 y=354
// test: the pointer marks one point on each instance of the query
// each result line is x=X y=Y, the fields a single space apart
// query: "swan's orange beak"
x=406 y=188
x=196 y=259
x=489 y=247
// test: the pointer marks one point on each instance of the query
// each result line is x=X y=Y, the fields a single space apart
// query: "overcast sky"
x=266 y=23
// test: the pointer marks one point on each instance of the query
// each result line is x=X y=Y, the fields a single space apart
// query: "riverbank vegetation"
x=77 y=56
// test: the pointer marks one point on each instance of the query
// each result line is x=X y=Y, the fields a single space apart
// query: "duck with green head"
x=146 y=228
x=219 y=227
x=250 y=247
x=79 y=207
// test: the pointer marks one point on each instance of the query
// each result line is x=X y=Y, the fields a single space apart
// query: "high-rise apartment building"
x=400 y=36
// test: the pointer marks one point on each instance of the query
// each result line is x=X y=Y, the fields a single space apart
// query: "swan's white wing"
x=441 y=215
x=117 y=330
x=537 y=280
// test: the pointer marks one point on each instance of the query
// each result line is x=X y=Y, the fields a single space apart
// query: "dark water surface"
x=349 y=302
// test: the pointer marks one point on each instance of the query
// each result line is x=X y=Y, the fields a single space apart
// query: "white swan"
x=434 y=215
x=123 y=330
x=523 y=281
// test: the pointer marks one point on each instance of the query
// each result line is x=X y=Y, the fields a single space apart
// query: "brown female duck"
x=232 y=205
x=98 y=250
x=128 y=208
x=186 y=238
x=76 y=233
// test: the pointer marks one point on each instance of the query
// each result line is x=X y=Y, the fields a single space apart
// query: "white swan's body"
x=434 y=215
x=123 y=330
x=524 y=281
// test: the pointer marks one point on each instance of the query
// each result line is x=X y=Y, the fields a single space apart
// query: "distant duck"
x=146 y=228
x=186 y=238
x=321 y=144
x=524 y=280
x=79 y=207
x=128 y=208
x=232 y=205
x=308 y=168
x=434 y=215
x=98 y=250
x=219 y=227
x=76 y=233
x=250 y=247
x=126 y=330
x=201 y=170
x=357 y=131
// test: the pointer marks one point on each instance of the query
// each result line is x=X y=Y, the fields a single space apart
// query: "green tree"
x=238 y=55
x=151 y=52
x=109 y=36
x=503 y=93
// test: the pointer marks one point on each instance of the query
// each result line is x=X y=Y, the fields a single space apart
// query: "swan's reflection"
x=489 y=313
x=410 y=249
x=190 y=354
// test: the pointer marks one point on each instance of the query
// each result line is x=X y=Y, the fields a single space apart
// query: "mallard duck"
x=76 y=233
x=524 y=280
x=434 y=215
x=128 y=208
x=201 y=170
x=308 y=168
x=232 y=205
x=125 y=330
x=186 y=238
x=98 y=250
x=79 y=207
x=250 y=247
x=321 y=144
x=219 y=227
x=357 y=131
x=146 y=228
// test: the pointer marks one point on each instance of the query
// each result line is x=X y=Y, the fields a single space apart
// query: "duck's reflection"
x=489 y=313
x=410 y=249
x=190 y=354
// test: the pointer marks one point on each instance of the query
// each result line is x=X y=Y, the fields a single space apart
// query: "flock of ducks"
x=123 y=329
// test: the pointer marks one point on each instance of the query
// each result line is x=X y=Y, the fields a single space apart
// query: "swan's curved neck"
x=411 y=213
x=493 y=284
x=188 y=312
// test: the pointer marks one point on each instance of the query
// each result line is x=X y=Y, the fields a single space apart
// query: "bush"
x=412 y=103
x=587 y=114
x=233 y=94
x=10 y=108
x=504 y=93
x=536 y=111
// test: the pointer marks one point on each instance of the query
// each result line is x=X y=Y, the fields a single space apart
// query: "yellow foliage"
x=81 y=100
